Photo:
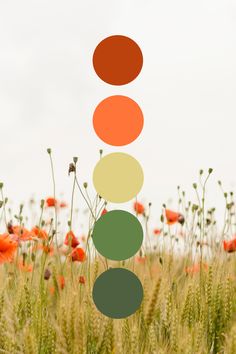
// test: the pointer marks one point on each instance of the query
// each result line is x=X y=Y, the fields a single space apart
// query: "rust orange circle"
x=118 y=120
x=117 y=60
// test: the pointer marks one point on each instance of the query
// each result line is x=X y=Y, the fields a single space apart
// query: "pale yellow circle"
x=118 y=177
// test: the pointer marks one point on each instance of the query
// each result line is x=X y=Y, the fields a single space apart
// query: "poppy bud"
x=47 y=274
x=72 y=168
x=75 y=159
x=194 y=208
x=10 y=228
x=49 y=151
x=181 y=219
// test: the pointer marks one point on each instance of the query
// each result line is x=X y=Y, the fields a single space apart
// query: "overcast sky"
x=49 y=90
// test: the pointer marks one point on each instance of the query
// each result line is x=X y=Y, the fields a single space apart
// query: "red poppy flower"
x=45 y=248
x=21 y=233
x=140 y=260
x=51 y=202
x=230 y=246
x=25 y=267
x=82 y=279
x=39 y=233
x=139 y=208
x=7 y=248
x=71 y=240
x=52 y=290
x=61 y=281
x=104 y=211
x=157 y=231
x=195 y=268
x=78 y=255
x=173 y=217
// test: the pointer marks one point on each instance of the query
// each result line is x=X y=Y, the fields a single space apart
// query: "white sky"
x=48 y=91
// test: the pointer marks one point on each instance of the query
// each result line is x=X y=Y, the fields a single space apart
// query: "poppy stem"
x=55 y=204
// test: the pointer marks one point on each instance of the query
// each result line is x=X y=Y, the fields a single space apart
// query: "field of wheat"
x=47 y=275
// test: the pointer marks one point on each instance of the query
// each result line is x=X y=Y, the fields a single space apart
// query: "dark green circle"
x=117 y=293
x=117 y=235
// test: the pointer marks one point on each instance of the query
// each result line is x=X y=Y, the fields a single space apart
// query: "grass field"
x=47 y=275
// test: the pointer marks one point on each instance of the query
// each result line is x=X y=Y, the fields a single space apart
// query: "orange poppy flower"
x=25 y=267
x=51 y=202
x=52 y=290
x=78 y=255
x=195 y=268
x=230 y=246
x=140 y=260
x=173 y=217
x=61 y=281
x=82 y=279
x=21 y=233
x=45 y=248
x=139 y=208
x=157 y=231
x=39 y=233
x=71 y=240
x=7 y=248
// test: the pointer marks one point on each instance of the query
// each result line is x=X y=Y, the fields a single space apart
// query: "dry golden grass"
x=179 y=314
x=183 y=311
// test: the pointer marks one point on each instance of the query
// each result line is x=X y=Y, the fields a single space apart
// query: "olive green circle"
x=118 y=177
x=117 y=235
x=117 y=293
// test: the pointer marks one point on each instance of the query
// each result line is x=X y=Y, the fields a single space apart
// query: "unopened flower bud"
x=72 y=168
x=47 y=274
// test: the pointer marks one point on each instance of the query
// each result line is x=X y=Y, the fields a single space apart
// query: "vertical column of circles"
x=118 y=177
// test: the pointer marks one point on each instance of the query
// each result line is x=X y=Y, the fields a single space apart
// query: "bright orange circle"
x=118 y=120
